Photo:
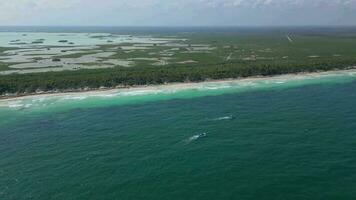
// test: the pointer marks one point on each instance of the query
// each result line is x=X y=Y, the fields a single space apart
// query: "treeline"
x=119 y=76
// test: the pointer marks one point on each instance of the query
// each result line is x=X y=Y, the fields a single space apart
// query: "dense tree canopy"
x=119 y=76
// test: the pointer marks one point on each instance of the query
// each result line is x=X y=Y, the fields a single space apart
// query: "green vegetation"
x=155 y=75
x=3 y=66
x=203 y=56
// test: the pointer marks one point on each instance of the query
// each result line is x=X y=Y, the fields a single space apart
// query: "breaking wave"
x=171 y=91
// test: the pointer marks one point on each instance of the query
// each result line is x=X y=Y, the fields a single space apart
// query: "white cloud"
x=46 y=11
x=14 y=10
x=278 y=3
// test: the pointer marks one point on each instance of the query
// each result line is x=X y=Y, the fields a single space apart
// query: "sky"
x=177 y=12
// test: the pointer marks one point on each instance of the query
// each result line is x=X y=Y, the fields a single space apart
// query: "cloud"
x=141 y=12
x=33 y=5
x=15 y=9
x=278 y=3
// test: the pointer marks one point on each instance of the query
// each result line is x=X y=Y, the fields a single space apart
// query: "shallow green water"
x=290 y=140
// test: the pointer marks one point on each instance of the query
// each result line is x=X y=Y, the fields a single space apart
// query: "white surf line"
x=289 y=39
x=172 y=87
x=228 y=57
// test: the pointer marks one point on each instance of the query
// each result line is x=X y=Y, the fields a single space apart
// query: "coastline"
x=172 y=86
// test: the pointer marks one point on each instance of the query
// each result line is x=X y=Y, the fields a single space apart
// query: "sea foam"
x=171 y=91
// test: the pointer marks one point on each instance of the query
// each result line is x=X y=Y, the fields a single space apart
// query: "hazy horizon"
x=185 y=13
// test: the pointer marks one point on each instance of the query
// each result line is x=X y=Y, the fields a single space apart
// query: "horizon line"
x=178 y=26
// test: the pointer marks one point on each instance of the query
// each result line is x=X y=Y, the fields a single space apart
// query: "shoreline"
x=176 y=85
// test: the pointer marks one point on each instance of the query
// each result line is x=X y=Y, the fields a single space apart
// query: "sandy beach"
x=176 y=86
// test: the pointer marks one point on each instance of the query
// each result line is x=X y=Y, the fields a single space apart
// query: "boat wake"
x=229 y=117
x=196 y=137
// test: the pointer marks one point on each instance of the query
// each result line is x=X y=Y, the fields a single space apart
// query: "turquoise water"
x=273 y=139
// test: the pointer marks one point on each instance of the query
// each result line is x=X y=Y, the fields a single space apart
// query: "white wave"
x=19 y=105
x=15 y=105
x=42 y=99
x=217 y=86
x=352 y=73
x=139 y=92
x=238 y=85
x=75 y=97
x=247 y=84
x=107 y=95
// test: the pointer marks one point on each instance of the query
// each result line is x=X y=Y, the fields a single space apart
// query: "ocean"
x=277 y=138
